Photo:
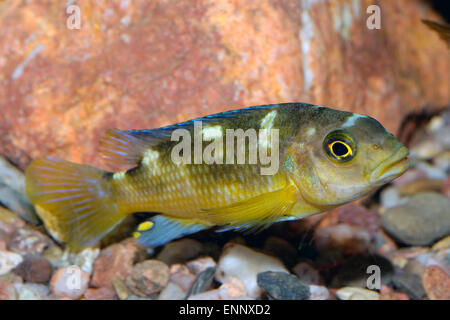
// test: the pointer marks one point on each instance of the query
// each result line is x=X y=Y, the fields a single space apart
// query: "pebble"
x=8 y=261
x=100 y=294
x=180 y=251
x=245 y=263
x=172 y=292
x=199 y=265
x=12 y=192
x=232 y=289
x=115 y=261
x=148 y=277
x=28 y=241
x=436 y=283
x=307 y=273
x=425 y=218
x=32 y=291
x=9 y=221
x=34 y=269
x=121 y=289
x=421 y=185
x=442 y=244
x=387 y=293
x=446 y=188
x=390 y=198
x=7 y=291
x=180 y=275
x=282 y=286
x=69 y=282
x=318 y=293
x=355 y=293
x=202 y=282
x=432 y=172
x=384 y=244
x=410 y=284
x=343 y=239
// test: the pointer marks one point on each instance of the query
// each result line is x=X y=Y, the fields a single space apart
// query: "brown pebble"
x=115 y=261
x=100 y=294
x=34 y=269
x=436 y=283
x=148 y=277
x=7 y=291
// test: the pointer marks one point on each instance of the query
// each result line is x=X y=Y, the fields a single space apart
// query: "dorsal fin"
x=127 y=147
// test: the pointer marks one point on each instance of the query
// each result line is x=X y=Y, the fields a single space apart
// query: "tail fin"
x=75 y=201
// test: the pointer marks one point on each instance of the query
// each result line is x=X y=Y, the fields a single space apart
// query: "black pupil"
x=339 y=149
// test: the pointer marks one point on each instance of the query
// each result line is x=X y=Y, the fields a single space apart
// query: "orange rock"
x=146 y=64
x=100 y=294
x=436 y=283
x=115 y=261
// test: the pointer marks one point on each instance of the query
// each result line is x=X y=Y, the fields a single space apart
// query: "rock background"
x=143 y=64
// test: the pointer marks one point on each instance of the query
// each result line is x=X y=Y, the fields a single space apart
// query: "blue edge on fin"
x=165 y=230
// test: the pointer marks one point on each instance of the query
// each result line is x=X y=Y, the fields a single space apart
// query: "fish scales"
x=319 y=158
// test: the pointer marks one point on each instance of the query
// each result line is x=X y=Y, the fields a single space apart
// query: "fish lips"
x=392 y=167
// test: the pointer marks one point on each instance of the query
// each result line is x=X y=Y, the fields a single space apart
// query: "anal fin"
x=160 y=230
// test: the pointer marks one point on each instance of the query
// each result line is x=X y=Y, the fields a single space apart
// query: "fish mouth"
x=392 y=167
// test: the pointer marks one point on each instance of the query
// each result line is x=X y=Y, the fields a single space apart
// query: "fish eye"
x=339 y=146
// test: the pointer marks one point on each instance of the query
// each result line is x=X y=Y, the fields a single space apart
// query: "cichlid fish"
x=326 y=158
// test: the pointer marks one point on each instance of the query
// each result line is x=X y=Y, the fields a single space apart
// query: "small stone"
x=344 y=238
x=115 y=261
x=70 y=282
x=390 y=198
x=10 y=222
x=446 y=188
x=436 y=283
x=318 y=293
x=355 y=293
x=28 y=241
x=179 y=251
x=7 y=291
x=282 y=286
x=410 y=284
x=245 y=263
x=421 y=185
x=200 y=264
x=387 y=293
x=442 y=244
x=181 y=275
x=307 y=273
x=432 y=172
x=11 y=277
x=32 y=291
x=8 y=261
x=148 y=277
x=172 y=292
x=121 y=289
x=105 y=293
x=422 y=220
x=233 y=288
x=384 y=244
x=202 y=282
x=34 y=269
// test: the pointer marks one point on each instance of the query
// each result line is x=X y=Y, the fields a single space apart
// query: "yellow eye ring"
x=340 y=146
x=336 y=146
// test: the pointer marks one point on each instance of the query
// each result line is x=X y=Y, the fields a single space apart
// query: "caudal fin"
x=75 y=201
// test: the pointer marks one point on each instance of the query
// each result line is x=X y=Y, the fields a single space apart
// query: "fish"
x=321 y=158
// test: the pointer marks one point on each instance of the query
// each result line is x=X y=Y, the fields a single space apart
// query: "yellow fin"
x=256 y=213
x=73 y=200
